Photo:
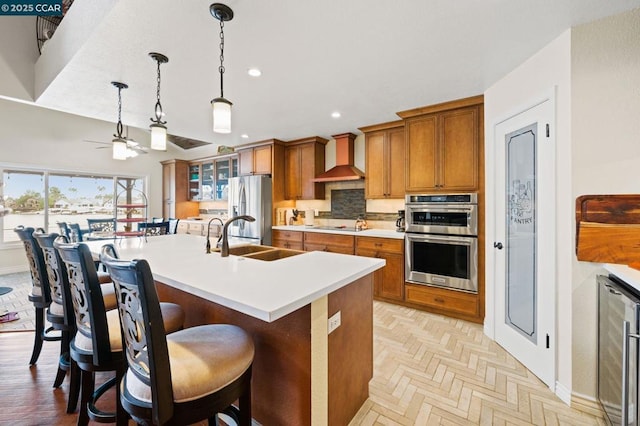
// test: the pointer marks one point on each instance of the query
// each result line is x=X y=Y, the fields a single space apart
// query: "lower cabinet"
x=334 y=243
x=287 y=239
x=388 y=282
x=447 y=302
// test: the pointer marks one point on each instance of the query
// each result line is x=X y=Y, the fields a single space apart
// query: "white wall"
x=605 y=153
x=18 y=54
x=547 y=70
x=35 y=137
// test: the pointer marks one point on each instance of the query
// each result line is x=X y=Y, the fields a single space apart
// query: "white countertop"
x=625 y=273
x=264 y=290
x=380 y=233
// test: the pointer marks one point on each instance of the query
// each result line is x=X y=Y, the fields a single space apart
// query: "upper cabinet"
x=442 y=146
x=224 y=168
x=384 y=160
x=175 y=190
x=303 y=161
x=256 y=160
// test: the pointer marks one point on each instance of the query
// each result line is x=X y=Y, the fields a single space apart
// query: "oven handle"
x=440 y=238
x=440 y=209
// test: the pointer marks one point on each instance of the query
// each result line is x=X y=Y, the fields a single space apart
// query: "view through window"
x=42 y=199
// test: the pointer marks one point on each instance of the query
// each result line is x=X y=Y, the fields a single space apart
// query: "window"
x=41 y=199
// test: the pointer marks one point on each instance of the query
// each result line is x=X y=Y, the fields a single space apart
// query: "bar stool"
x=182 y=377
x=97 y=344
x=57 y=313
x=40 y=291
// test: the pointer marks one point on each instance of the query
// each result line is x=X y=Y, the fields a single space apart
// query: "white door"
x=525 y=308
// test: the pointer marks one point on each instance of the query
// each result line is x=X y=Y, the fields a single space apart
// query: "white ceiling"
x=366 y=59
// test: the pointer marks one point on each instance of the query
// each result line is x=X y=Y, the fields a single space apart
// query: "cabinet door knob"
x=498 y=245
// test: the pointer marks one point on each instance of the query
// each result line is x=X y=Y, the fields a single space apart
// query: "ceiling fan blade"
x=101 y=143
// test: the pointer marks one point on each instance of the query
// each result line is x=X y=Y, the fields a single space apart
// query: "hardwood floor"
x=428 y=370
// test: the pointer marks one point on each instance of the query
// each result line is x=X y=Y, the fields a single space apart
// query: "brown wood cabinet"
x=335 y=243
x=443 y=146
x=176 y=201
x=287 y=239
x=384 y=160
x=388 y=282
x=443 y=301
x=255 y=160
x=303 y=161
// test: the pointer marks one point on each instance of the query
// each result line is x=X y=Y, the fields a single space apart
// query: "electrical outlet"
x=334 y=322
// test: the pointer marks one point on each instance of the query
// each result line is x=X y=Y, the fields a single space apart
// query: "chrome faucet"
x=224 y=250
x=209 y=230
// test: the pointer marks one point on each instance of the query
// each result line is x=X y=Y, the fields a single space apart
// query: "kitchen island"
x=301 y=373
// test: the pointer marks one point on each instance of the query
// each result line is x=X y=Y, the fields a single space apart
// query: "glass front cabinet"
x=209 y=180
x=194 y=181
x=225 y=168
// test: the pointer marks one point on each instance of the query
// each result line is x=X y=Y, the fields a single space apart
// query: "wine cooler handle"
x=626 y=340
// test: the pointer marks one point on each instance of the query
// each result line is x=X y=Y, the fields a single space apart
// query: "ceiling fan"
x=133 y=147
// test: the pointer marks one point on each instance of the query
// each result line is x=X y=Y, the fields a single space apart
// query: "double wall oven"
x=441 y=239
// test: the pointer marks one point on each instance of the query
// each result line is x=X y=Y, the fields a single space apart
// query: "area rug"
x=17 y=301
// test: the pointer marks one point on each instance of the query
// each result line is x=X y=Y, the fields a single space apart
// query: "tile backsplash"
x=347 y=203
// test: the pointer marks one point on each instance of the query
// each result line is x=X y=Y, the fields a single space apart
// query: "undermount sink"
x=248 y=249
x=273 y=254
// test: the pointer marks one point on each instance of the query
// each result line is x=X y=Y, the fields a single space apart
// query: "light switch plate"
x=334 y=322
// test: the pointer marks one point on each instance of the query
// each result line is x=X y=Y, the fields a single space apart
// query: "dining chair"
x=76 y=232
x=40 y=294
x=151 y=228
x=102 y=225
x=64 y=230
x=181 y=377
x=173 y=225
x=97 y=344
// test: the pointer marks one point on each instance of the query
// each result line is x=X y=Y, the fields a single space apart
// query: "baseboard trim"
x=563 y=393
x=587 y=404
x=13 y=269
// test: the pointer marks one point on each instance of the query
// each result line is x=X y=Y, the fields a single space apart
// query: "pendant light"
x=119 y=143
x=158 y=128
x=221 y=107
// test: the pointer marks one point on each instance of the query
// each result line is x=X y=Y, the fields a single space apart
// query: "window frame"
x=46 y=174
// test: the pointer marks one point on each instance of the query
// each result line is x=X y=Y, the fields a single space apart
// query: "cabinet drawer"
x=195 y=228
x=292 y=236
x=445 y=300
x=328 y=247
x=333 y=239
x=380 y=244
x=292 y=245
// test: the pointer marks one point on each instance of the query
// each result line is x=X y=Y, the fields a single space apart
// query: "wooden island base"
x=301 y=375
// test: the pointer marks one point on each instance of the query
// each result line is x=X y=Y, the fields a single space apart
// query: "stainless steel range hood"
x=344 y=168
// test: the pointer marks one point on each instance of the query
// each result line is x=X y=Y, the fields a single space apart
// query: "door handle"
x=498 y=245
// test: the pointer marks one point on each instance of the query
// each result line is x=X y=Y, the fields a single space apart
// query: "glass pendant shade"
x=119 y=149
x=158 y=137
x=221 y=115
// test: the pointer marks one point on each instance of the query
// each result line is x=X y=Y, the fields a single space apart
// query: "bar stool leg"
x=74 y=386
x=39 y=333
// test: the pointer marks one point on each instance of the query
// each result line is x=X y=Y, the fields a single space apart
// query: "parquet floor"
x=434 y=370
x=428 y=370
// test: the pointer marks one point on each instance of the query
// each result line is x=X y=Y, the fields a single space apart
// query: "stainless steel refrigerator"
x=250 y=195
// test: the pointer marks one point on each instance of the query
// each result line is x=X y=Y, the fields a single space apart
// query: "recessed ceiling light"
x=244 y=136
x=254 y=72
x=335 y=114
